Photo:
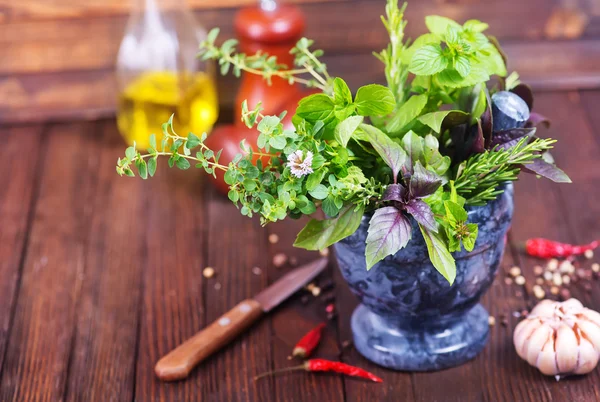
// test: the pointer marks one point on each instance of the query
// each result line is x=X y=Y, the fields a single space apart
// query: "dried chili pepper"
x=544 y=248
x=309 y=342
x=322 y=365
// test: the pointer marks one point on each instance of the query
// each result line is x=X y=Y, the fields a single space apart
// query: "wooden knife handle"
x=180 y=361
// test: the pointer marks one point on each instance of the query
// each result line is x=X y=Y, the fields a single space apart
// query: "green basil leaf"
x=374 y=100
x=316 y=107
x=439 y=255
x=406 y=113
x=233 y=195
x=453 y=79
x=452 y=117
x=341 y=93
x=455 y=214
x=389 y=231
x=392 y=154
x=142 y=168
x=428 y=60
x=469 y=241
x=318 y=235
x=425 y=39
x=439 y=25
x=345 y=129
x=413 y=145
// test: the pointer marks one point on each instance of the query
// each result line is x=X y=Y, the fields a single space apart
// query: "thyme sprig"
x=478 y=178
x=267 y=66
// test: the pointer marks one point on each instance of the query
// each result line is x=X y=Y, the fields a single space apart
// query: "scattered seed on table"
x=553 y=264
x=515 y=271
x=566 y=266
x=217 y=286
x=508 y=281
x=538 y=270
x=554 y=290
x=273 y=238
x=538 y=292
x=208 y=272
x=566 y=279
x=504 y=322
x=524 y=313
x=581 y=273
x=316 y=291
x=279 y=260
x=548 y=276
x=589 y=254
x=293 y=261
x=346 y=344
x=539 y=281
x=557 y=279
x=330 y=308
x=491 y=321
x=596 y=267
x=324 y=252
x=256 y=271
x=516 y=314
x=520 y=280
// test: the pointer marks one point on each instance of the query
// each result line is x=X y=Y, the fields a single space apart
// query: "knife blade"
x=178 y=363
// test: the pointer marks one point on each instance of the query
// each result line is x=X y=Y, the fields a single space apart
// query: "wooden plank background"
x=57 y=56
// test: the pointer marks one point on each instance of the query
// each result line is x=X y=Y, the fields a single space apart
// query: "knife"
x=180 y=361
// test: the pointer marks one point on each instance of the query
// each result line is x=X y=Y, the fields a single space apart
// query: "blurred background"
x=59 y=56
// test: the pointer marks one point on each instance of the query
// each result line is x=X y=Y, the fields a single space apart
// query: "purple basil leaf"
x=478 y=140
x=395 y=192
x=422 y=213
x=509 y=138
x=389 y=231
x=547 y=170
x=423 y=182
x=524 y=91
x=535 y=119
x=487 y=122
x=392 y=153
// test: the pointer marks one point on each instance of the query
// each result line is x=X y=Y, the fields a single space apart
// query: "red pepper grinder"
x=273 y=29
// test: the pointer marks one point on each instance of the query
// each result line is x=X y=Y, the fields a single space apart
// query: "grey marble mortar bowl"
x=410 y=318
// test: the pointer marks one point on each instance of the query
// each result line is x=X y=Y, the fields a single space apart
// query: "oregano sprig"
x=267 y=66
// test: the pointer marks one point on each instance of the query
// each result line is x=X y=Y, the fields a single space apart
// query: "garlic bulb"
x=560 y=338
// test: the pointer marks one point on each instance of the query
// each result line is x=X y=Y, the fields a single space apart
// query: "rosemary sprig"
x=478 y=178
x=306 y=60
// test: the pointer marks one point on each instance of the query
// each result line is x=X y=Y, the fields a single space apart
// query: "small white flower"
x=299 y=166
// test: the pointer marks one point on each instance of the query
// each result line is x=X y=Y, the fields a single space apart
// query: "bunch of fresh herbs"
x=423 y=147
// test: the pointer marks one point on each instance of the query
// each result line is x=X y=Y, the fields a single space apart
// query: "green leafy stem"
x=267 y=66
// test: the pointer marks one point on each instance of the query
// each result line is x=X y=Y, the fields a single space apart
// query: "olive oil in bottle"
x=148 y=102
x=159 y=73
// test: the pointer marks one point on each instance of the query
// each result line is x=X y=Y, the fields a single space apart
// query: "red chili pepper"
x=322 y=365
x=544 y=248
x=309 y=342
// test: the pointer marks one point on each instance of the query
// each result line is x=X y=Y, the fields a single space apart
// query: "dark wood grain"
x=107 y=315
x=240 y=259
x=37 y=362
x=304 y=316
x=173 y=298
x=17 y=197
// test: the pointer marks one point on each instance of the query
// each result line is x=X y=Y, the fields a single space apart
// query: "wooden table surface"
x=101 y=275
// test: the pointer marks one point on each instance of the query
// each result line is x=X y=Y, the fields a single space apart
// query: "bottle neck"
x=156 y=6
